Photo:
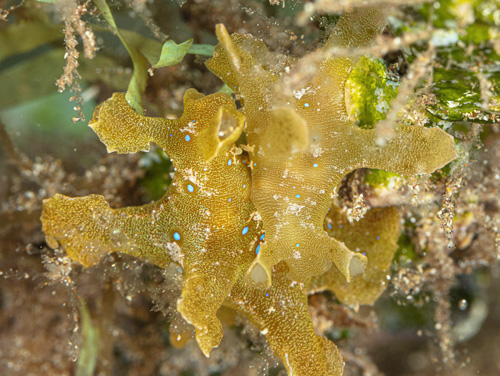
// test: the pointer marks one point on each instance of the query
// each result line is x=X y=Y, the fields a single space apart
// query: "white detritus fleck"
x=175 y=252
x=294 y=209
x=316 y=150
x=255 y=216
x=194 y=178
x=299 y=93
x=189 y=128
x=307 y=225
x=443 y=38
x=310 y=202
x=271 y=310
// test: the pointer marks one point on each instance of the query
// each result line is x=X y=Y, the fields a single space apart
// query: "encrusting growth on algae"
x=248 y=231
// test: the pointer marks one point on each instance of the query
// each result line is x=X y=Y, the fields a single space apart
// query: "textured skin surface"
x=292 y=190
x=376 y=234
x=300 y=148
x=282 y=314
x=195 y=223
x=213 y=248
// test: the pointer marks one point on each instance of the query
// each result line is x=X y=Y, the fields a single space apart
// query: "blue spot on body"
x=306 y=104
x=177 y=236
x=267 y=294
x=244 y=231
x=244 y=185
x=190 y=188
x=229 y=162
x=255 y=164
x=341 y=226
x=297 y=245
x=171 y=135
x=257 y=250
x=315 y=165
x=293 y=187
x=229 y=199
x=187 y=137
x=378 y=237
x=262 y=236
x=297 y=195
x=192 y=121
x=330 y=226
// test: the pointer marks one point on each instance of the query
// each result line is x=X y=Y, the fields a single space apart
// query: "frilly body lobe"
x=303 y=144
x=300 y=146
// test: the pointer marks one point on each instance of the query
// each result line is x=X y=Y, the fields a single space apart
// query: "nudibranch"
x=302 y=144
x=204 y=222
x=209 y=220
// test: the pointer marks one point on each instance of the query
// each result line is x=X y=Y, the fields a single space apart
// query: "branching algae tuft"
x=248 y=230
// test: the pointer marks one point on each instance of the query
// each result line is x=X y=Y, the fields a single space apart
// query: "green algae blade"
x=138 y=81
x=89 y=351
x=172 y=53
x=201 y=49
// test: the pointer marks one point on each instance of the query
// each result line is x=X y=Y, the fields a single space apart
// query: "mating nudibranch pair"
x=213 y=217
